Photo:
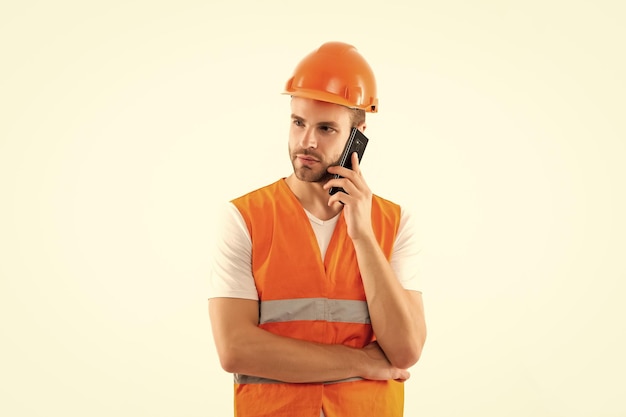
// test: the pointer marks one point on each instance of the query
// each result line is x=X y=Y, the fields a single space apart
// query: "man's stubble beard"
x=307 y=174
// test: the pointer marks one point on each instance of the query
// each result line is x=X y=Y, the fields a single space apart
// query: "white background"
x=124 y=125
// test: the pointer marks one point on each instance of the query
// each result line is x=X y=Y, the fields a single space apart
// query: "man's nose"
x=308 y=139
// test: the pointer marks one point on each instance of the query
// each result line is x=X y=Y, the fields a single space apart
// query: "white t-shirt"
x=231 y=270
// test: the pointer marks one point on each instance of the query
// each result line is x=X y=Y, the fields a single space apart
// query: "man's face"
x=317 y=136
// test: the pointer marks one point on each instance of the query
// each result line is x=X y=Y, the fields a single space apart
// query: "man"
x=315 y=302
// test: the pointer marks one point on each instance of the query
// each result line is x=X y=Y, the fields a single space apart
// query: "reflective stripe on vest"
x=248 y=379
x=309 y=309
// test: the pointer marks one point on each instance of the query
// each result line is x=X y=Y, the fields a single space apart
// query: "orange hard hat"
x=335 y=73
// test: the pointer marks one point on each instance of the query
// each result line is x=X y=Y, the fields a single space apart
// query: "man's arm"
x=245 y=348
x=397 y=315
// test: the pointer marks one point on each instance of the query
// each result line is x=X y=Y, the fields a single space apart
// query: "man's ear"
x=362 y=127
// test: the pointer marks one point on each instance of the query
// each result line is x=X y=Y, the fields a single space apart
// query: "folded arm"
x=245 y=348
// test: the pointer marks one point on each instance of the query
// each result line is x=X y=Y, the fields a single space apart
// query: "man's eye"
x=298 y=122
x=327 y=129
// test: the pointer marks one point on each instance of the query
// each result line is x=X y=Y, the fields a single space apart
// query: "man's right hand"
x=376 y=366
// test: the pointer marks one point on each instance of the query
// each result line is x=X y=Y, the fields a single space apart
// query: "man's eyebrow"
x=328 y=123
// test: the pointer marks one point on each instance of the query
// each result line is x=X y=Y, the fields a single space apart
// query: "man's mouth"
x=306 y=158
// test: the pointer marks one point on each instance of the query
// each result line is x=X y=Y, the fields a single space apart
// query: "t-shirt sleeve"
x=406 y=257
x=231 y=260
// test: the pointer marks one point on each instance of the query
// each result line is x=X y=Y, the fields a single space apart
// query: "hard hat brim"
x=330 y=98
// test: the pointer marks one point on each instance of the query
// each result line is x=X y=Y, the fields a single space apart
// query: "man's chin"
x=306 y=175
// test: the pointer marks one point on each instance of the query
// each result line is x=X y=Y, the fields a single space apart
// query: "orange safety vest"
x=306 y=298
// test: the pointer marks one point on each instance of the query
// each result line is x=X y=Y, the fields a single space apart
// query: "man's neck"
x=313 y=198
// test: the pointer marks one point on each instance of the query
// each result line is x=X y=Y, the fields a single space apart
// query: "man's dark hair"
x=357 y=117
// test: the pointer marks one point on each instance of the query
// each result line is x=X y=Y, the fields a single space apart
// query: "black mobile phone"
x=356 y=143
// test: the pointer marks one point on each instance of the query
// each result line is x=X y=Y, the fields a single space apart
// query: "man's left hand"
x=357 y=198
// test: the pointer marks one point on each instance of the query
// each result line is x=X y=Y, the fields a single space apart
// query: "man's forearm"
x=244 y=348
x=396 y=319
x=267 y=355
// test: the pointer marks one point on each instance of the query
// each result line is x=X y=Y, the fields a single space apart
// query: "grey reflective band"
x=312 y=309
x=247 y=379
